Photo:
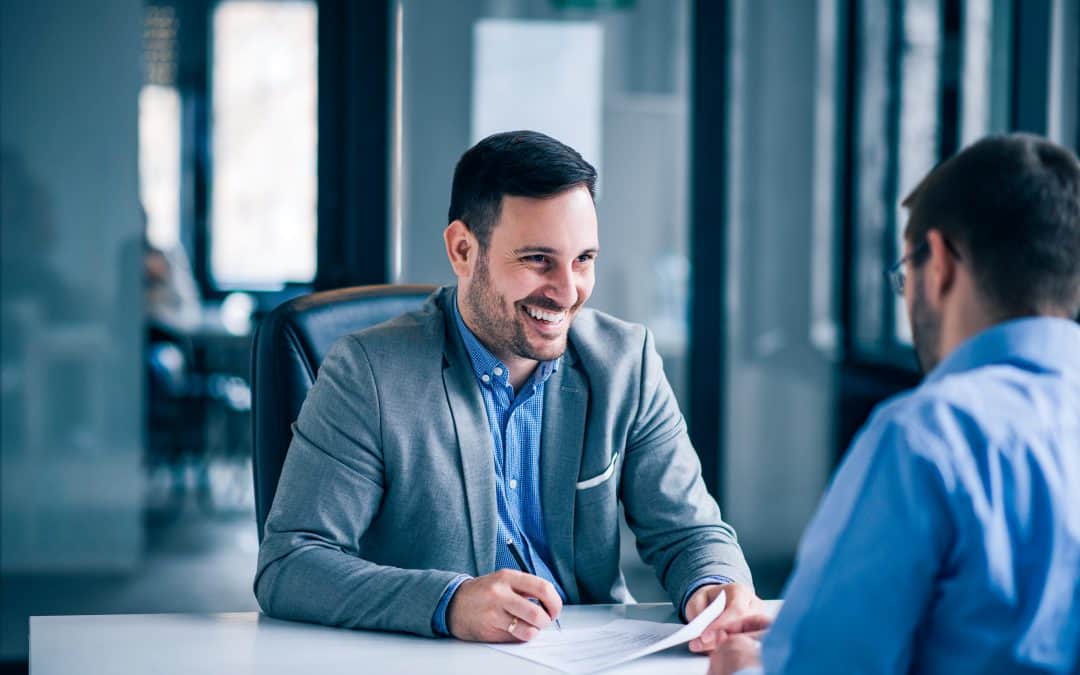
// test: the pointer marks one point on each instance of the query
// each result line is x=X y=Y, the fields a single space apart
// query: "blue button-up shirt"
x=949 y=541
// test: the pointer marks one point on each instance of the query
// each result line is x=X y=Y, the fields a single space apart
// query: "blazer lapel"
x=562 y=436
x=475 y=446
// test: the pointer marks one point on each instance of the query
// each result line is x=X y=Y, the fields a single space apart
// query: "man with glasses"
x=949 y=541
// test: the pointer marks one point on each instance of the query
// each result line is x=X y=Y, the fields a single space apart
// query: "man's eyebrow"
x=526 y=250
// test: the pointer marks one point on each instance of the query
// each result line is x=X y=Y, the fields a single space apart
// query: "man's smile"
x=546 y=316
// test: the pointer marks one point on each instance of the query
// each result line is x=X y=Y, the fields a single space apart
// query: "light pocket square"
x=601 y=477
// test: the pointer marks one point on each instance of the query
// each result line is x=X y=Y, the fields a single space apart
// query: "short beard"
x=925 y=328
x=500 y=334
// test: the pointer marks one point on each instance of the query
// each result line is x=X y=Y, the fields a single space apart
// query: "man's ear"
x=940 y=266
x=462 y=248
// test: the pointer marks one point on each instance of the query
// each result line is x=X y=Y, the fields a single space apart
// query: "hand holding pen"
x=506 y=605
x=524 y=567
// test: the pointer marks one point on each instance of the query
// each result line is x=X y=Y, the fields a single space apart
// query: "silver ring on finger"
x=512 y=626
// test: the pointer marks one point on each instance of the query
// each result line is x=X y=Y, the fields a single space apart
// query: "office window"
x=931 y=77
x=159 y=128
x=923 y=107
x=159 y=163
x=263 y=187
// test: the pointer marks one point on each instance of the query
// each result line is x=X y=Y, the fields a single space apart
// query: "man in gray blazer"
x=454 y=464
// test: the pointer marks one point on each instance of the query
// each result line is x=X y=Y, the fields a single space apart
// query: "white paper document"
x=587 y=650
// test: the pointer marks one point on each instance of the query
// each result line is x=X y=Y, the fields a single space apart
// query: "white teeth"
x=548 y=317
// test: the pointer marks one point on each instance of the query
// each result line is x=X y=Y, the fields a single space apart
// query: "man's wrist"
x=439 y=623
x=713 y=580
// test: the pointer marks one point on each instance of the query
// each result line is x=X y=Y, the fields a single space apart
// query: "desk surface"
x=243 y=643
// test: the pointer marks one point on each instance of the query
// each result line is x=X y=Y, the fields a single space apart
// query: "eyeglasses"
x=898 y=275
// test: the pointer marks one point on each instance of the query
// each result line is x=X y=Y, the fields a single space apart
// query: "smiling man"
x=458 y=470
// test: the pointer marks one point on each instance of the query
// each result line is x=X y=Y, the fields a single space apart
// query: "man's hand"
x=496 y=607
x=743 y=612
x=735 y=653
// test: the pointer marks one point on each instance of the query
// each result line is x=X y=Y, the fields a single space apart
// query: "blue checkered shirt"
x=514 y=422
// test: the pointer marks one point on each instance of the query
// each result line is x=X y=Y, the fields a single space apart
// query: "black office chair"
x=289 y=346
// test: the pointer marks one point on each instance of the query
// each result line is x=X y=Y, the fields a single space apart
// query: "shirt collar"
x=1042 y=343
x=484 y=363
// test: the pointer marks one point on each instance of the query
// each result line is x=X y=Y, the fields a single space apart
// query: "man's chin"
x=548 y=351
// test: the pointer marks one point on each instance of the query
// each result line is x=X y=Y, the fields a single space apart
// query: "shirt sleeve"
x=438 y=621
x=867 y=564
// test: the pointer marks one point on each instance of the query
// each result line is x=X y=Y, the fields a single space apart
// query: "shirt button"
x=497 y=371
x=513 y=484
x=485 y=378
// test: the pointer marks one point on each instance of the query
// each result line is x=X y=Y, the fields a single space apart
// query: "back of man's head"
x=514 y=163
x=1011 y=205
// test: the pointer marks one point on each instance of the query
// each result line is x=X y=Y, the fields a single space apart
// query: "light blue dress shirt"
x=949 y=541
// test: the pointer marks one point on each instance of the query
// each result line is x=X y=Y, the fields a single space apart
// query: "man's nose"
x=563 y=287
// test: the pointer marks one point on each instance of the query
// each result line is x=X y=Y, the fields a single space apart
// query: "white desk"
x=249 y=643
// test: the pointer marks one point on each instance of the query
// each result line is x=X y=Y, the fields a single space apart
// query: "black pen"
x=524 y=567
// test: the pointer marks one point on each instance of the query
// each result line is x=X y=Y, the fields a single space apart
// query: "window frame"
x=354 y=109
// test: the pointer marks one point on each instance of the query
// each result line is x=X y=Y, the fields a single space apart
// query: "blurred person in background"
x=169 y=290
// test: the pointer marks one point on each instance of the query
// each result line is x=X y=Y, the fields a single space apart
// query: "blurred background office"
x=174 y=169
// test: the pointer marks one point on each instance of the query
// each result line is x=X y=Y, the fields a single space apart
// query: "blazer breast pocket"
x=601 y=477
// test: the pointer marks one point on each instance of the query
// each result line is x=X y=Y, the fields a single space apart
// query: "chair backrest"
x=290 y=344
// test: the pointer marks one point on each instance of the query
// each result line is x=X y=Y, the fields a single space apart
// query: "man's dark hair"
x=1011 y=205
x=516 y=163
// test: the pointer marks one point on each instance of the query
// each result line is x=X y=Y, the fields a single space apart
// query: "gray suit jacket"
x=388 y=488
